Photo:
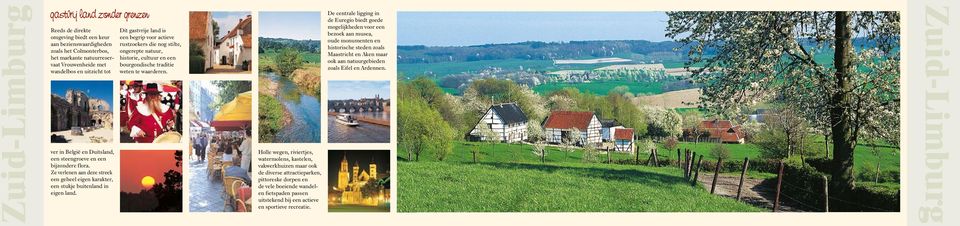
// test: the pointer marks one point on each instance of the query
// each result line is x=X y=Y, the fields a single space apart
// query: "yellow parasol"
x=234 y=115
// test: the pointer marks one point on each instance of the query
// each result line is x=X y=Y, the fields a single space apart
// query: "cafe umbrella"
x=234 y=115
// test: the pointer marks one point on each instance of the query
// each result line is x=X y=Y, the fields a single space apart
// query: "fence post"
x=693 y=160
x=826 y=195
x=649 y=158
x=686 y=156
x=716 y=173
x=608 y=156
x=656 y=159
x=696 y=175
x=686 y=165
x=678 y=159
x=636 y=150
x=746 y=163
x=776 y=202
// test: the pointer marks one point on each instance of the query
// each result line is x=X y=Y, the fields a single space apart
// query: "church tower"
x=373 y=169
x=356 y=171
x=343 y=177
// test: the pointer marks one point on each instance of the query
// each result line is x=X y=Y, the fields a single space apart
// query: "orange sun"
x=147 y=182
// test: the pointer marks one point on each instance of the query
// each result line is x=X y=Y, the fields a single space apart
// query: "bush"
x=423 y=131
x=271 y=117
x=197 y=61
x=804 y=183
x=774 y=144
x=287 y=60
x=590 y=154
x=671 y=143
x=867 y=198
x=720 y=152
x=197 y=64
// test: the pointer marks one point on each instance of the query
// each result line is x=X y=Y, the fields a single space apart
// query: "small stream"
x=304 y=126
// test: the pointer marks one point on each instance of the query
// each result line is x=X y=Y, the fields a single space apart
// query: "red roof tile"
x=198 y=26
x=246 y=27
x=623 y=134
x=569 y=119
x=716 y=124
x=723 y=130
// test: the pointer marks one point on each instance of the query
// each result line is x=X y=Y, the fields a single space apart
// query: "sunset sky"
x=135 y=164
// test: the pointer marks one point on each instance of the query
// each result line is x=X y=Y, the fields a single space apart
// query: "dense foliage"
x=307 y=46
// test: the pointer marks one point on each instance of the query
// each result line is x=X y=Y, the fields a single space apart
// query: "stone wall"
x=99 y=105
x=76 y=109
x=102 y=118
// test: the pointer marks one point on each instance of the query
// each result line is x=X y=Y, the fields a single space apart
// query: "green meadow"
x=509 y=178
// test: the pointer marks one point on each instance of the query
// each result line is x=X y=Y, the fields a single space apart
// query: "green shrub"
x=720 y=152
x=804 y=183
x=197 y=60
x=287 y=60
x=271 y=117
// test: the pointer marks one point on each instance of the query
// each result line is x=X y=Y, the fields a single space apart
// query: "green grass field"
x=864 y=159
x=309 y=58
x=566 y=187
x=357 y=208
x=737 y=151
x=266 y=60
x=603 y=87
x=509 y=178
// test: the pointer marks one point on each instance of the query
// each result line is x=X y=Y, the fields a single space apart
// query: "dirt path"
x=755 y=191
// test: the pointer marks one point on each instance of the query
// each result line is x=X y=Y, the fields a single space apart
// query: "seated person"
x=227 y=153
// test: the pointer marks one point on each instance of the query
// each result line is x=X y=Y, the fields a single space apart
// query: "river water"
x=304 y=126
x=363 y=133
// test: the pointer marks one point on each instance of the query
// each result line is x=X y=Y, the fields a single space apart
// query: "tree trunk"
x=826 y=146
x=876 y=179
x=800 y=148
x=789 y=145
x=844 y=136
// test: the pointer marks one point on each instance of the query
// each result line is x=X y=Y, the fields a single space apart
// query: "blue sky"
x=292 y=25
x=94 y=89
x=474 y=28
x=356 y=89
x=228 y=20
